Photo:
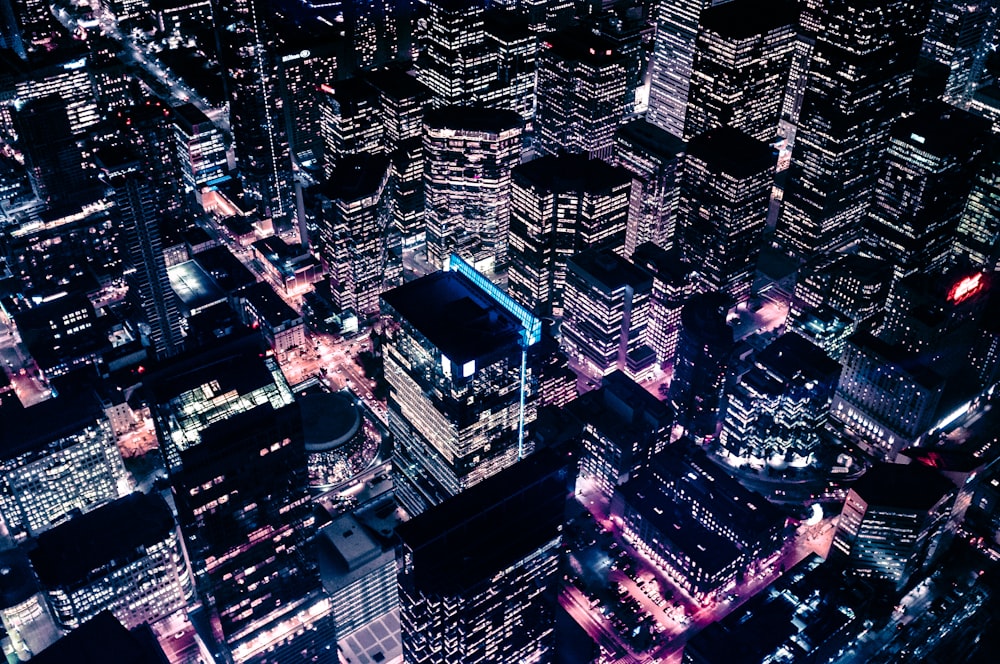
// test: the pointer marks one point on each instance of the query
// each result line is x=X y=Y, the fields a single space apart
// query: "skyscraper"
x=352 y=216
x=606 y=314
x=929 y=167
x=461 y=388
x=859 y=78
x=250 y=62
x=742 y=56
x=674 y=281
x=51 y=154
x=582 y=96
x=893 y=521
x=469 y=153
x=350 y=121
x=702 y=363
x=957 y=37
x=561 y=206
x=456 y=63
x=653 y=156
x=231 y=437
x=977 y=238
x=671 y=64
x=135 y=197
x=476 y=569
x=201 y=151
x=725 y=188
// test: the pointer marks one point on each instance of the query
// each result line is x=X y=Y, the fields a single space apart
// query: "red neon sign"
x=966 y=288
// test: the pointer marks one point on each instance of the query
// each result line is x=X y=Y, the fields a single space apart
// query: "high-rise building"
x=702 y=363
x=250 y=61
x=582 y=96
x=461 y=387
x=606 y=314
x=352 y=215
x=674 y=282
x=26 y=26
x=623 y=426
x=886 y=396
x=724 y=194
x=350 y=121
x=778 y=409
x=929 y=167
x=855 y=286
x=125 y=557
x=743 y=53
x=562 y=205
x=201 y=149
x=308 y=58
x=508 y=35
x=958 y=35
x=456 y=63
x=231 y=437
x=859 y=78
x=51 y=154
x=653 y=156
x=671 y=65
x=58 y=456
x=477 y=568
x=24 y=612
x=469 y=153
x=894 y=521
x=977 y=238
x=135 y=197
x=696 y=522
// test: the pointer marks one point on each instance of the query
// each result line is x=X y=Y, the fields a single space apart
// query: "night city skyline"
x=499 y=331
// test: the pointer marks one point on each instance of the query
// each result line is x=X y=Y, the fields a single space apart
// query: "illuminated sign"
x=966 y=288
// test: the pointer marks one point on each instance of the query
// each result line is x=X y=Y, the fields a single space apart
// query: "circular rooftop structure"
x=337 y=442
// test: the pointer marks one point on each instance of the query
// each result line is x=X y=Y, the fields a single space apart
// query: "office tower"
x=673 y=283
x=360 y=570
x=259 y=307
x=957 y=37
x=671 y=63
x=135 y=199
x=653 y=156
x=352 y=216
x=469 y=153
x=702 y=363
x=743 y=53
x=249 y=57
x=894 y=521
x=581 y=93
x=103 y=634
x=26 y=26
x=623 y=426
x=508 y=35
x=456 y=63
x=201 y=150
x=477 y=568
x=724 y=194
x=125 y=557
x=26 y=618
x=977 y=238
x=307 y=57
x=380 y=31
x=231 y=437
x=778 y=409
x=63 y=71
x=51 y=155
x=606 y=315
x=561 y=206
x=403 y=101
x=929 y=167
x=886 y=396
x=824 y=326
x=58 y=456
x=350 y=121
x=855 y=286
x=461 y=388
x=697 y=523
x=859 y=78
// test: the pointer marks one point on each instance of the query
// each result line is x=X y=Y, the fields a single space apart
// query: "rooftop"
x=68 y=554
x=913 y=486
x=355 y=177
x=31 y=429
x=195 y=287
x=732 y=151
x=610 y=270
x=473 y=119
x=790 y=355
x=456 y=316
x=93 y=642
x=742 y=19
x=571 y=172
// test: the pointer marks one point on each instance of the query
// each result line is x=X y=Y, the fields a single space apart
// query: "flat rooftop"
x=31 y=429
x=195 y=287
x=913 y=486
x=456 y=316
